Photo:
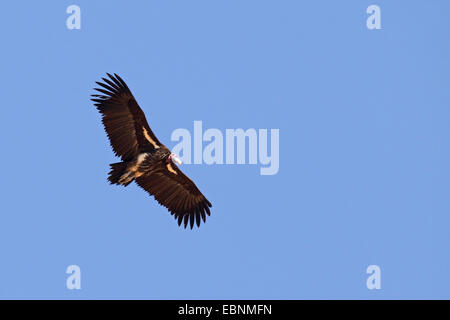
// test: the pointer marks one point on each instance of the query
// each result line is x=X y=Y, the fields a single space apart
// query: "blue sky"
x=364 y=159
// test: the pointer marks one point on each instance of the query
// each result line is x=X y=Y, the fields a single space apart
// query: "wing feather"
x=177 y=193
x=124 y=121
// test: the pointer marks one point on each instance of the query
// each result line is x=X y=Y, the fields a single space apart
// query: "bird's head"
x=175 y=159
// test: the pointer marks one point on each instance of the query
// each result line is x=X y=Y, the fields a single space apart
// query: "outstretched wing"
x=123 y=119
x=174 y=190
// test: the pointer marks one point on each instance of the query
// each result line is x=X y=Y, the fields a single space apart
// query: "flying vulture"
x=144 y=159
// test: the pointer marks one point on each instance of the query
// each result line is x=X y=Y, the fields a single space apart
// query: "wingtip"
x=186 y=220
x=192 y=219
x=197 y=219
x=180 y=220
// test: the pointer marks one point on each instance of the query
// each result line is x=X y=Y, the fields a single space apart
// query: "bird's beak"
x=175 y=158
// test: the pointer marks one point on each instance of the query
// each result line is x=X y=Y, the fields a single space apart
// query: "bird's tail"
x=119 y=174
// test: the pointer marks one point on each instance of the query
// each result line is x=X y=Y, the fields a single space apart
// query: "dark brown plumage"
x=144 y=159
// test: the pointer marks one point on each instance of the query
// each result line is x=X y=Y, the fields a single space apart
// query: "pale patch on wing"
x=132 y=171
x=126 y=177
x=135 y=168
x=169 y=167
x=147 y=136
x=138 y=174
x=141 y=158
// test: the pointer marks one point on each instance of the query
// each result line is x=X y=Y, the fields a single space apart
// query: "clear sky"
x=363 y=119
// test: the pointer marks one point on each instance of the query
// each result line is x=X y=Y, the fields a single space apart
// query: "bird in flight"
x=144 y=159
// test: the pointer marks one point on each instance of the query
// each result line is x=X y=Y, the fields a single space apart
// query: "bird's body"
x=144 y=159
x=125 y=172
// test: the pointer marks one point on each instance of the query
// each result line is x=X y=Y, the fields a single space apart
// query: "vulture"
x=145 y=160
